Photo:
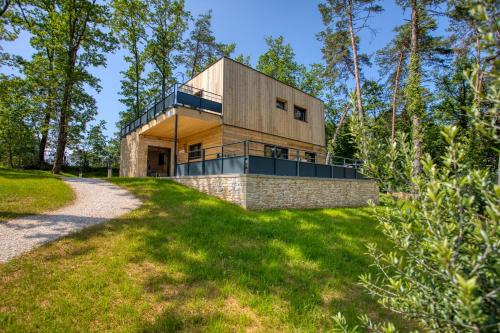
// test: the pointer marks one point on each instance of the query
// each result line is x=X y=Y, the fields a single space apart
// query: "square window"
x=281 y=104
x=195 y=151
x=299 y=113
x=310 y=157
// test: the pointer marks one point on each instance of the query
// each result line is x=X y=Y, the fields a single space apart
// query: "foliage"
x=202 y=49
x=129 y=24
x=167 y=21
x=17 y=137
x=443 y=272
x=279 y=61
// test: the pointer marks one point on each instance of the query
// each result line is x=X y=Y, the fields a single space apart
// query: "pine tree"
x=343 y=20
x=202 y=49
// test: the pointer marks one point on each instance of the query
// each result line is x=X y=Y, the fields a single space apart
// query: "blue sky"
x=246 y=23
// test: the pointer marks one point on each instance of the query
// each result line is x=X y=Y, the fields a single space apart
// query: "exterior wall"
x=250 y=102
x=208 y=138
x=134 y=154
x=211 y=79
x=236 y=134
x=270 y=192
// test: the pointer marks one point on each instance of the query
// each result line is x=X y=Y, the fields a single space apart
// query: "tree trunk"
x=356 y=67
x=137 y=79
x=336 y=134
x=394 y=97
x=48 y=112
x=416 y=121
x=479 y=78
x=45 y=134
x=195 y=59
x=62 y=138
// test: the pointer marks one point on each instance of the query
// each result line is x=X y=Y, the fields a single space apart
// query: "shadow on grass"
x=205 y=264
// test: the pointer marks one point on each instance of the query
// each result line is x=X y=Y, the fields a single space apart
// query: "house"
x=233 y=122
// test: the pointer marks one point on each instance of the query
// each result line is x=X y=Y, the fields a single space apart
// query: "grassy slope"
x=189 y=262
x=30 y=192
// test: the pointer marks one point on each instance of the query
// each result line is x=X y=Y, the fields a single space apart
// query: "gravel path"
x=96 y=201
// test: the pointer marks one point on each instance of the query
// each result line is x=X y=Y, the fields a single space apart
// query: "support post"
x=245 y=160
x=203 y=162
x=175 y=144
x=222 y=160
x=298 y=162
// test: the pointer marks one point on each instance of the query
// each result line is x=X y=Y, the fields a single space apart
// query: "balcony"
x=177 y=95
x=260 y=158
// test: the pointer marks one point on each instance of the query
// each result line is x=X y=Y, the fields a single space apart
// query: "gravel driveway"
x=96 y=201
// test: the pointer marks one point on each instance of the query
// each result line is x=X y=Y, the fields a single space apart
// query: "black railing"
x=178 y=94
x=253 y=157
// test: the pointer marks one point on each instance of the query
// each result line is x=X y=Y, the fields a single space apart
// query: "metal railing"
x=177 y=94
x=256 y=157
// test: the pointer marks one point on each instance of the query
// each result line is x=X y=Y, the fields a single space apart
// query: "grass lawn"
x=189 y=262
x=29 y=192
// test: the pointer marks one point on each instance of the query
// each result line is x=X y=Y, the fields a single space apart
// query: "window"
x=299 y=113
x=273 y=151
x=281 y=104
x=195 y=151
x=310 y=157
x=161 y=159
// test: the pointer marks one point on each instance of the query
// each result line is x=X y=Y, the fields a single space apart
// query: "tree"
x=443 y=271
x=344 y=19
x=242 y=59
x=395 y=52
x=279 y=61
x=77 y=30
x=17 y=138
x=202 y=49
x=414 y=92
x=129 y=24
x=95 y=145
x=35 y=17
x=167 y=21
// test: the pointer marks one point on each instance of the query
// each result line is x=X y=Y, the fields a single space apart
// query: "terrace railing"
x=178 y=94
x=253 y=157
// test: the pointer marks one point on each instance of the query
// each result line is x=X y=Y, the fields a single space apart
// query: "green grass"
x=187 y=262
x=29 y=192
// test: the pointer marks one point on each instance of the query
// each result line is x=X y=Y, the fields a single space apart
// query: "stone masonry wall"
x=268 y=192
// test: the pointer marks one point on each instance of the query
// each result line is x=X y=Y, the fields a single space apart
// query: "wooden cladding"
x=250 y=101
x=255 y=101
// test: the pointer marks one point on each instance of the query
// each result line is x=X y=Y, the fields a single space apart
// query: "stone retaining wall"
x=267 y=192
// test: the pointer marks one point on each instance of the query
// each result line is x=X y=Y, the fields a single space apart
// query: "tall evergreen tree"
x=343 y=20
x=202 y=49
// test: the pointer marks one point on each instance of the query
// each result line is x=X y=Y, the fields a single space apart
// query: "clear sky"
x=247 y=23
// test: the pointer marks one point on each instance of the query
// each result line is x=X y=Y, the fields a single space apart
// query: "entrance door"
x=158 y=162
